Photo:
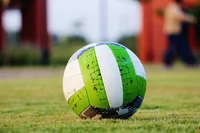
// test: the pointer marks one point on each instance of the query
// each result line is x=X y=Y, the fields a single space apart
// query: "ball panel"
x=78 y=53
x=110 y=75
x=139 y=69
x=79 y=101
x=72 y=79
x=128 y=76
x=123 y=112
x=141 y=84
x=111 y=43
x=93 y=79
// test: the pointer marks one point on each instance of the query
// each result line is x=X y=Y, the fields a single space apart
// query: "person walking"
x=177 y=43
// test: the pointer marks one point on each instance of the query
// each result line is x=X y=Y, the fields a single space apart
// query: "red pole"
x=145 y=37
x=45 y=40
x=2 y=36
x=34 y=26
x=29 y=31
x=193 y=40
x=159 y=38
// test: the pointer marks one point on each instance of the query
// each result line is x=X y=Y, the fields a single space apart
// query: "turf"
x=37 y=104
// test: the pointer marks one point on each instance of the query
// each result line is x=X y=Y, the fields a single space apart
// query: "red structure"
x=152 y=41
x=34 y=24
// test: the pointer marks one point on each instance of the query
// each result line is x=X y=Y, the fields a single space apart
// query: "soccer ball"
x=104 y=80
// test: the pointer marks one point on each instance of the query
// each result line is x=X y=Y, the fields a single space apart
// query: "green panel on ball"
x=127 y=72
x=93 y=79
x=79 y=101
x=141 y=83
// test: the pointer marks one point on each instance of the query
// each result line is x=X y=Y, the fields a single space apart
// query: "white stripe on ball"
x=110 y=75
x=139 y=69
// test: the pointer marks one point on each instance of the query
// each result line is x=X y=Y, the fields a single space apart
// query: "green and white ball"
x=104 y=80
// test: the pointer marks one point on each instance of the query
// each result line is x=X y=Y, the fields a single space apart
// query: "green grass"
x=172 y=104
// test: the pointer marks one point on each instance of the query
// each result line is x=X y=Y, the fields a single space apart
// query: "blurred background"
x=48 y=32
x=37 y=37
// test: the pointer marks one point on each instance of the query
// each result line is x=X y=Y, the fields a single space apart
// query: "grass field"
x=32 y=100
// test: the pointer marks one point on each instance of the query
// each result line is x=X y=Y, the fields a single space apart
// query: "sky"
x=96 y=20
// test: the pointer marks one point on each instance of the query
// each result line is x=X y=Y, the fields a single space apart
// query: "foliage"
x=61 y=52
x=64 y=50
x=71 y=40
x=130 y=42
x=38 y=105
x=21 y=55
x=1 y=59
x=12 y=38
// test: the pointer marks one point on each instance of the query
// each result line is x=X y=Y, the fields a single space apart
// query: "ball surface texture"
x=104 y=80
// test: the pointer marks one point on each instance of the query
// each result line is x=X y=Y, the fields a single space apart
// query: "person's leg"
x=185 y=51
x=170 y=53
